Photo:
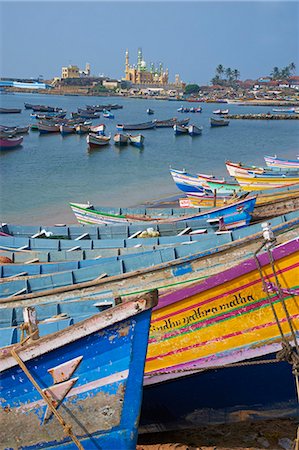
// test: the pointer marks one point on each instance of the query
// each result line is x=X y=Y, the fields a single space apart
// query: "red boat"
x=10 y=142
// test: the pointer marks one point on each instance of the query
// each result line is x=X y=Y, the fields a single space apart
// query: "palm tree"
x=229 y=74
x=292 y=67
x=220 y=70
x=285 y=72
x=236 y=74
x=275 y=74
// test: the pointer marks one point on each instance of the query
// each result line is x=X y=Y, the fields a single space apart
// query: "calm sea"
x=48 y=171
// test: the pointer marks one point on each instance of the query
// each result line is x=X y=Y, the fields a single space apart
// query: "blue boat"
x=80 y=387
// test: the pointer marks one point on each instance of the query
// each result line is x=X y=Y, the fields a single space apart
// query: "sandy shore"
x=270 y=434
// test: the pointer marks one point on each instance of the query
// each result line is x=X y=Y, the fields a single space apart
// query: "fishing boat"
x=255 y=182
x=8 y=143
x=44 y=127
x=88 y=114
x=137 y=126
x=121 y=139
x=194 y=130
x=10 y=110
x=108 y=114
x=180 y=129
x=66 y=129
x=195 y=110
x=183 y=109
x=223 y=335
x=98 y=129
x=224 y=187
x=82 y=129
x=221 y=112
x=188 y=182
x=88 y=214
x=58 y=381
x=150 y=111
x=137 y=140
x=169 y=123
x=14 y=130
x=283 y=110
x=97 y=140
x=45 y=108
x=269 y=203
x=279 y=163
x=218 y=122
x=239 y=169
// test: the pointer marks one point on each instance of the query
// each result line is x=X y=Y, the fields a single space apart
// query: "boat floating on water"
x=218 y=122
x=97 y=140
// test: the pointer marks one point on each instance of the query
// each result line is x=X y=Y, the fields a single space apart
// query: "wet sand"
x=271 y=434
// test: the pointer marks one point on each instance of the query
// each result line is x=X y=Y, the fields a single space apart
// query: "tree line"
x=282 y=74
x=225 y=77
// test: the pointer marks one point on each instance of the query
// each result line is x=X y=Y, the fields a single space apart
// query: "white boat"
x=136 y=140
x=218 y=122
x=193 y=130
x=180 y=129
x=97 y=140
x=221 y=112
x=99 y=129
x=121 y=139
x=67 y=129
x=47 y=128
x=82 y=129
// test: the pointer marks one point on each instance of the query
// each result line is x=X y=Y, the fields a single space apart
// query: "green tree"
x=216 y=80
x=236 y=74
x=191 y=89
x=220 y=70
x=229 y=74
x=292 y=67
x=275 y=74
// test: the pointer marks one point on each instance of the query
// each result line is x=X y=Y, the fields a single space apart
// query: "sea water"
x=41 y=177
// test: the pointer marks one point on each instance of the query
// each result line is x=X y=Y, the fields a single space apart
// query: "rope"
x=288 y=353
x=66 y=427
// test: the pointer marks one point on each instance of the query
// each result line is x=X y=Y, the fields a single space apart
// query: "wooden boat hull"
x=137 y=140
x=137 y=126
x=44 y=128
x=280 y=163
x=194 y=130
x=218 y=122
x=9 y=110
x=87 y=215
x=180 y=129
x=226 y=319
x=121 y=139
x=247 y=392
x=106 y=355
x=10 y=143
x=256 y=182
x=97 y=141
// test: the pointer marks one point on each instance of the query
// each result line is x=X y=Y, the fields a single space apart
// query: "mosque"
x=143 y=75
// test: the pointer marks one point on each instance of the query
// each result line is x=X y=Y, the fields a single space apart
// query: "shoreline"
x=227 y=100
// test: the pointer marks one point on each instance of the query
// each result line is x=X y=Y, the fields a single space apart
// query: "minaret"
x=127 y=65
x=139 y=59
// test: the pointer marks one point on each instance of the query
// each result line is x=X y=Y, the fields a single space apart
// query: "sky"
x=190 y=38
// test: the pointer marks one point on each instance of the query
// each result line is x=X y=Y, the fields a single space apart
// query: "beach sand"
x=271 y=434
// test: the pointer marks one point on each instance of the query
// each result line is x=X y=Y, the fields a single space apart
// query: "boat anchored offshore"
x=121 y=139
x=97 y=140
x=218 y=122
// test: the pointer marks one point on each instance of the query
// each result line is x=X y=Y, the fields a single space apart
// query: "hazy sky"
x=190 y=38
